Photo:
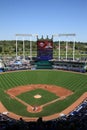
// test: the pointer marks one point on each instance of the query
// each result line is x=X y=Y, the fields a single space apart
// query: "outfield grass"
x=72 y=81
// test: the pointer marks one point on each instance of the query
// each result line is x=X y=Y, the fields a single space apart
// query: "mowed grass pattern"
x=72 y=81
x=29 y=98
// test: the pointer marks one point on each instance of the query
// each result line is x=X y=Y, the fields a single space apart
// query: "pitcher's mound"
x=37 y=96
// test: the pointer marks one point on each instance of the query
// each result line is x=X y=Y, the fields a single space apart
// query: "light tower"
x=24 y=35
x=66 y=35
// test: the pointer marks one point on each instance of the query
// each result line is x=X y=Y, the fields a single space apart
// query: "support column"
x=30 y=49
x=66 y=49
x=16 y=47
x=74 y=50
x=23 y=49
x=59 y=50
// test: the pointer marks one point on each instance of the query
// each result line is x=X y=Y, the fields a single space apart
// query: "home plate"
x=37 y=96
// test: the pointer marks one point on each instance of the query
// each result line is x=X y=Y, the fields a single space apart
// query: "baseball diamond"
x=41 y=93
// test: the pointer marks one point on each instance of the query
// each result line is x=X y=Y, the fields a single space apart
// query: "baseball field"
x=40 y=93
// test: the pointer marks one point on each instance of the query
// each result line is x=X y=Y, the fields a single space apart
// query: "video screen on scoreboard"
x=45 y=50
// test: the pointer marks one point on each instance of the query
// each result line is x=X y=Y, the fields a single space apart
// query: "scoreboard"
x=45 y=49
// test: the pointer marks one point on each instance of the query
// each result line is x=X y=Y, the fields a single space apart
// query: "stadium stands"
x=76 y=120
x=70 y=65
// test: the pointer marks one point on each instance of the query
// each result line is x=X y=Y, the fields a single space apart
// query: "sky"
x=43 y=17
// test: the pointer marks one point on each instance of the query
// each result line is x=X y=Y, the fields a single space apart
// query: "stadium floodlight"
x=23 y=34
x=55 y=35
x=67 y=34
x=64 y=34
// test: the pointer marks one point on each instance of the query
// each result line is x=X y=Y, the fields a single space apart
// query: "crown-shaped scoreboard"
x=45 y=48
